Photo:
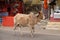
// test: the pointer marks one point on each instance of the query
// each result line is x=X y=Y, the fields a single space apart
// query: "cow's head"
x=39 y=14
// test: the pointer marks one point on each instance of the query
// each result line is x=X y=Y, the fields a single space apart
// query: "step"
x=53 y=25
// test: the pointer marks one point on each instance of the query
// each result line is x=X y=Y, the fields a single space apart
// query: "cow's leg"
x=16 y=26
x=32 y=30
x=20 y=27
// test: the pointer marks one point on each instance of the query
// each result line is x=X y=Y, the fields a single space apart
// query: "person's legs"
x=46 y=13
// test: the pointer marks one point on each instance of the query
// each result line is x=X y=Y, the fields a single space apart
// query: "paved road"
x=15 y=35
x=10 y=34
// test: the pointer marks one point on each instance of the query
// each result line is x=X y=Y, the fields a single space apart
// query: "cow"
x=27 y=20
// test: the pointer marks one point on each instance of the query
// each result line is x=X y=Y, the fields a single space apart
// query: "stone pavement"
x=37 y=31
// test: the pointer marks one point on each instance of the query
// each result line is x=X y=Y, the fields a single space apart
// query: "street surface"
x=10 y=34
x=7 y=33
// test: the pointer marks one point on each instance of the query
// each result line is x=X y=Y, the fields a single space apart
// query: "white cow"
x=28 y=20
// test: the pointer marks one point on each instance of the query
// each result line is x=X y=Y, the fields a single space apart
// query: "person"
x=52 y=4
x=45 y=9
x=9 y=10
